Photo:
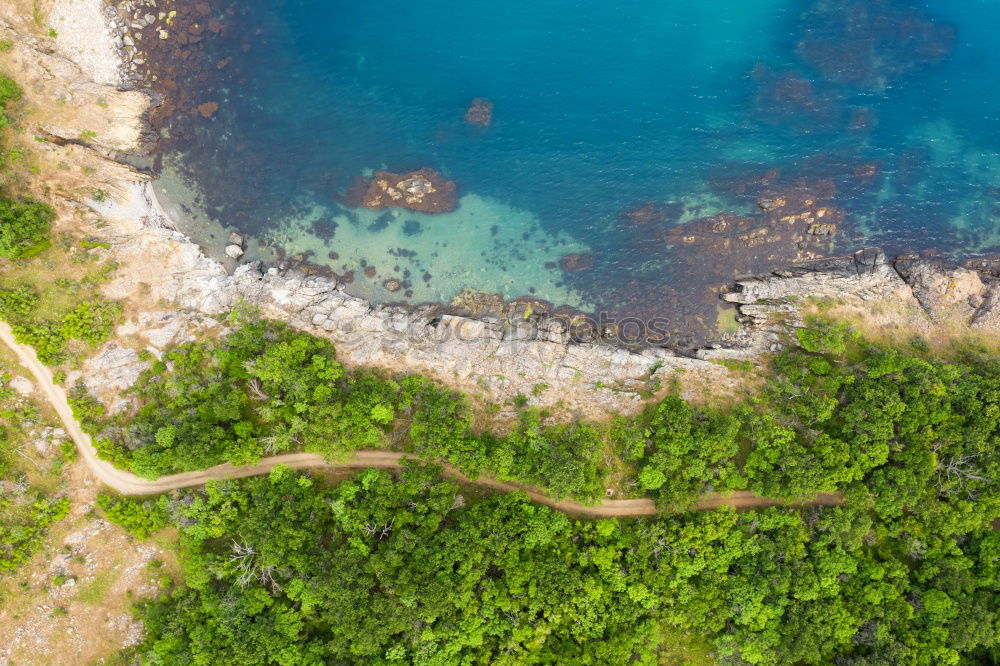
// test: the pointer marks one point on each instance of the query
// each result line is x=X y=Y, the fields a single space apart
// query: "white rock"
x=234 y=251
x=22 y=385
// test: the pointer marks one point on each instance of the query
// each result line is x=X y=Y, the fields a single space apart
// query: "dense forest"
x=410 y=568
x=378 y=570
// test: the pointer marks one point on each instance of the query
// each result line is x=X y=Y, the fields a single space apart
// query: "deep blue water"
x=597 y=107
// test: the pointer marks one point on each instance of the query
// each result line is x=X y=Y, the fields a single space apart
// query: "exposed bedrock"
x=912 y=290
x=945 y=291
x=424 y=190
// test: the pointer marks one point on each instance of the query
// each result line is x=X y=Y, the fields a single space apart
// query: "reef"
x=424 y=191
x=480 y=112
x=797 y=224
x=870 y=43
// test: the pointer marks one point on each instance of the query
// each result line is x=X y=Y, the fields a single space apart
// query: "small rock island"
x=424 y=190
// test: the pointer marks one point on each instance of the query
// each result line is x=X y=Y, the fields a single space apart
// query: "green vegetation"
x=10 y=92
x=90 y=322
x=24 y=227
x=830 y=419
x=140 y=518
x=380 y=570
x=24 y=223
x=283 y=570
x=26 y=510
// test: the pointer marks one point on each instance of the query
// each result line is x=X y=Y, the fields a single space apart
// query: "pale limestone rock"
x=112 y=370
x=22 y=385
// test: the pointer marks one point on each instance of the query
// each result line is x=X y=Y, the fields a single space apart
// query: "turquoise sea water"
x=598 y=107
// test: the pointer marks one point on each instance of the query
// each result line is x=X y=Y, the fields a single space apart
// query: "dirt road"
x=129 y=484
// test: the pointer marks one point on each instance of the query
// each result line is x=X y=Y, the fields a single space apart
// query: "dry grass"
x=89 y=619
x=908 y=328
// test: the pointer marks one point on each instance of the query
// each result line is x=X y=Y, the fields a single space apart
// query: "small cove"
x=881 y=111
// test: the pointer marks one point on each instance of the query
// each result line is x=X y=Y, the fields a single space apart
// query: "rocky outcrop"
x=76 y=109
x=769 y=305
x=424 y=190
x=945 y=292
x=109 y=372
x=912 y=291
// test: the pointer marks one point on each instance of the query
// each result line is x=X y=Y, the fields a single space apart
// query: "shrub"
x=140 y=517
x=24 y=227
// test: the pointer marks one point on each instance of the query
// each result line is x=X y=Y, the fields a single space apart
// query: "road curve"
x=129 y=484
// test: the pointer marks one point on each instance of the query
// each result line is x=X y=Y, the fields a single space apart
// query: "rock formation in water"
x=643 y=215
x=573 y=263
x=480 y=112
x=424 y=190
x=870 y=43
x=796 y=225
x=208 y=109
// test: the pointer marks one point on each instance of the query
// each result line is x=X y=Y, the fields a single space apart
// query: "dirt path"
x=129 y=484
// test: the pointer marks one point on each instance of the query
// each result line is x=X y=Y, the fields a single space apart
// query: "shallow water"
x=598 y=107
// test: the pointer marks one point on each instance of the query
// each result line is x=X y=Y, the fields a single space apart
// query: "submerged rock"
x=480 y=112
x=234 y=251
x=643 y=215
x=208 y=109
x=424 y=190
x=869 y=43
x=572 y=263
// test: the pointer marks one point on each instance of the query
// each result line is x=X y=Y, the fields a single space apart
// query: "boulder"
x=234 y=251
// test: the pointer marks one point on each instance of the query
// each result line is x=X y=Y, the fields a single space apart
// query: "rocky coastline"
x=175 y=290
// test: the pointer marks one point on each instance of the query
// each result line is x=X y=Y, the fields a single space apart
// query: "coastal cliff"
x=173 y=289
